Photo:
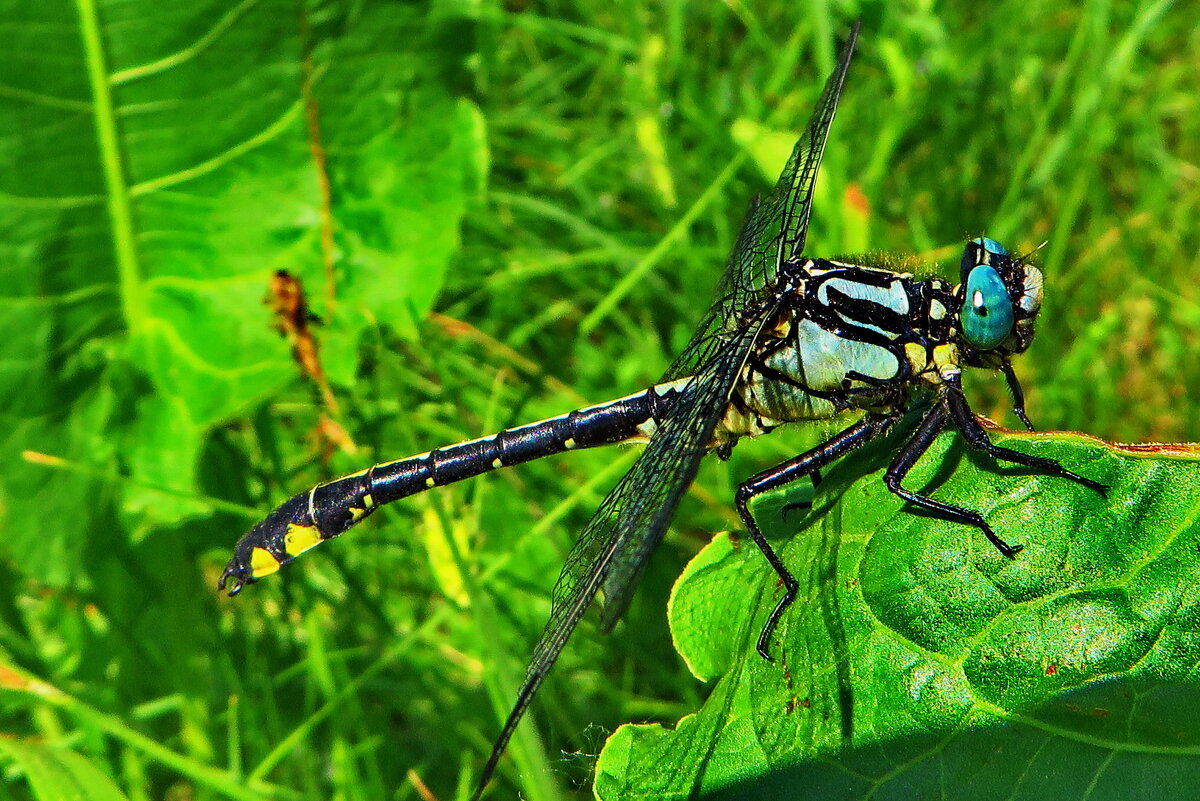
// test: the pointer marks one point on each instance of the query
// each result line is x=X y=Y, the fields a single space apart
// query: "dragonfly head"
x=1000 y=296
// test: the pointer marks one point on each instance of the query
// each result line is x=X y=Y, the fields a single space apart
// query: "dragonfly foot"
x=1003 y=547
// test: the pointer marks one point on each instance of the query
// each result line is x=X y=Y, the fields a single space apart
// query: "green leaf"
x=156 y=176
x=920 y=663
x=57 y=774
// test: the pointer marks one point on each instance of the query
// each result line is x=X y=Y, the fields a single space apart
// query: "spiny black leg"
x=805 y=464
x=978 y=437
x=933 y=423
x=1014 y=386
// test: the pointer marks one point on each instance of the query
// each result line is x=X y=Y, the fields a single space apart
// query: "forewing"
x=617 y=541
x=773 y=232
x=614 y=546
x=795 y=187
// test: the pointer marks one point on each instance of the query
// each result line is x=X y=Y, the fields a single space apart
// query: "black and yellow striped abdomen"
x=330 y=509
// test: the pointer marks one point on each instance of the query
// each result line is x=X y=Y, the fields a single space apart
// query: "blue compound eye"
x=987 y=315
x=992 y=246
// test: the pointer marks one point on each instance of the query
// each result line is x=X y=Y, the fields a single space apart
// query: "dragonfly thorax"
x=851 y=336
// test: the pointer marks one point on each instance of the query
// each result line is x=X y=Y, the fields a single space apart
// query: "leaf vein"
x=186 y=54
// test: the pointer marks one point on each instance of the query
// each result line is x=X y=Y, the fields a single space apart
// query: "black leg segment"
x=808 y=463
x=1014 y=386
x=975 y=434
x=930 y=427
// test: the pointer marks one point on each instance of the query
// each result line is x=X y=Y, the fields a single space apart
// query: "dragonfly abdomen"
x=330 y=509
x=629 y=419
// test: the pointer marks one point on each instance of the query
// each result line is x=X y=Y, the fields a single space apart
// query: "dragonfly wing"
x=612 y=550
x=795 y=187
x=773 y=233
x=614 y=546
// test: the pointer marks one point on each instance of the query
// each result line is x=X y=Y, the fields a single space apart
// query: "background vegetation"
x=499 y=212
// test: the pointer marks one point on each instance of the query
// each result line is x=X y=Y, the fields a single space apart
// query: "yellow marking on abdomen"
x=497 y=464
x=299 y=539
x=262 y=563
x=368 y=502
x=645 y=430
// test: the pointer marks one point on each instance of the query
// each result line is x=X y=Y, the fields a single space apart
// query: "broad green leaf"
x=920 y=663
x=162 y=161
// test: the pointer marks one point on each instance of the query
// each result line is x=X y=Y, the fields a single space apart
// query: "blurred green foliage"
x=499 y=212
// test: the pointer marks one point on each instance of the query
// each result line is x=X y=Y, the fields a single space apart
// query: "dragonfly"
x=788 y=339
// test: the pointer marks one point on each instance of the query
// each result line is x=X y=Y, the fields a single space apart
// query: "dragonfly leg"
x=933 y=423
x=1014 y=386
x=807 y=463
x=975 y=434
